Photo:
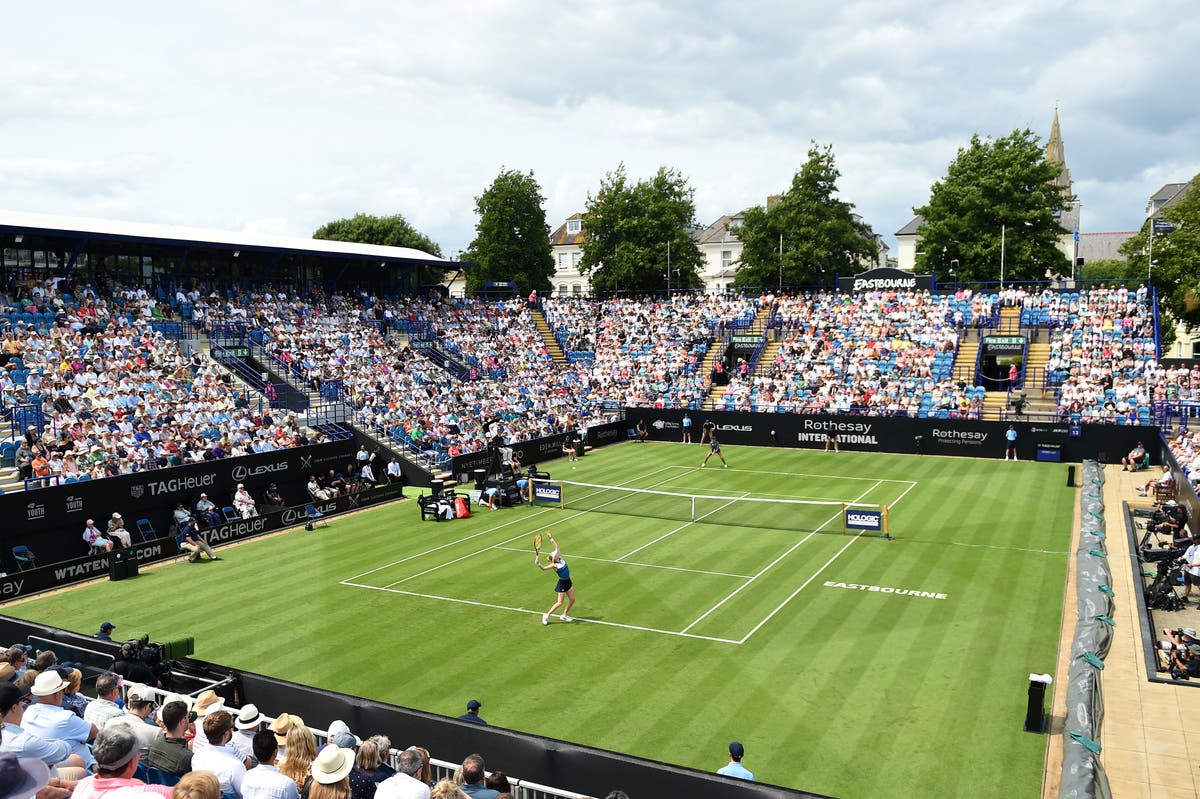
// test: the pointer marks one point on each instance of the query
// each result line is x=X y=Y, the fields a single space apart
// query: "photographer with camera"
x=1172 y=521
x=1184 y=646
x=133 y=667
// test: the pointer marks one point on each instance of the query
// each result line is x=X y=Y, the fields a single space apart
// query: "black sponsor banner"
x=608 y=433
x=50 y=521
x=885 y=279
x=540 y=449
x=897 y=434
x=57 y=575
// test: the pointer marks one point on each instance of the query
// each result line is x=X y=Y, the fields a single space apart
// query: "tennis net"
x=724 y=510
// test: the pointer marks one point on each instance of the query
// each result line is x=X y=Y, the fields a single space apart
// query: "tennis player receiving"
x=557 y=564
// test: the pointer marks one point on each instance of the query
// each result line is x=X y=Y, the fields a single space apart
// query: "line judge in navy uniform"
x=472 y=714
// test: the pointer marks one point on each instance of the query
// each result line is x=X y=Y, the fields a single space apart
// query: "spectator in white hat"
x=94 y=538
x=247 y=722
x=244 y=503
x=138 y=716
x=48 y=719
x=117 y=531
x=331 y=774
x=56 y=754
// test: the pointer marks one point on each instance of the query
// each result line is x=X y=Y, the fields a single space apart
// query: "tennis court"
x=820 y=651
x=711 y=539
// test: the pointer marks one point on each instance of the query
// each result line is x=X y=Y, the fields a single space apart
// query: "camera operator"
x=132 y=667
x=1184 y=646
x=1171 y=522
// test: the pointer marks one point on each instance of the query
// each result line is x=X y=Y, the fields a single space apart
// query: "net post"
x=887 y=531
x=844 y=530
x=562 y=495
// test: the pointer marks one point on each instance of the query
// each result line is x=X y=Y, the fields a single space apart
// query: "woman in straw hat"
x=301 y=751
x=331 y=774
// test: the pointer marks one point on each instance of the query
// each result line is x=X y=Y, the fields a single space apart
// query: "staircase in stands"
x=543 y=328
x=717 y=349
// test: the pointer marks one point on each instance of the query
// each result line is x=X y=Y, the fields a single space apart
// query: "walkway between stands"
x=1151 y=733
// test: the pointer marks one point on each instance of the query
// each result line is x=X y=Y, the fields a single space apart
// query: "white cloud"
x=278 y=117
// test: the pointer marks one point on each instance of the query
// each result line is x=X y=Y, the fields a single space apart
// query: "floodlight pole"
x=668 y=269
x=1002 y=257
x=1150 y=257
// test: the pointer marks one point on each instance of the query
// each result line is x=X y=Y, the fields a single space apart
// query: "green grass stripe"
x=846 y=692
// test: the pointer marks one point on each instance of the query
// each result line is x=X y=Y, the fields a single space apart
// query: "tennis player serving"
x=557 y=564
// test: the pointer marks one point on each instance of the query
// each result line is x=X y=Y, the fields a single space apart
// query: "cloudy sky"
x=277 y=117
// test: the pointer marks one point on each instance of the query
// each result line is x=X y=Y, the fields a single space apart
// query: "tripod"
x=1160 y=594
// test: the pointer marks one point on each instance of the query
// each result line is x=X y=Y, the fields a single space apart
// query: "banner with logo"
x=551 y=493
x=538 y=450
x=970 y=438
x=50 y=520
x=77 y=570
x=885 y=279
x=859 y=519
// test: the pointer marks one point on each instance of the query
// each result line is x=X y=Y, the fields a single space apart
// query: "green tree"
x=630 y=231
x=993 y=188
x=386 y=231
x=512 y=239
x=808 y=236
x=1108 y=269
x=1176 y=254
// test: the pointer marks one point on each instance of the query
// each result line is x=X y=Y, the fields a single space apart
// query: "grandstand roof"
x=17 y=222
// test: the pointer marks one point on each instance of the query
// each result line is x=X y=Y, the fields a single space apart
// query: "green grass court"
x=761 y=624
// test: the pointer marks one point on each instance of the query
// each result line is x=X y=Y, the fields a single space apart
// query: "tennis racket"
x=537 y=545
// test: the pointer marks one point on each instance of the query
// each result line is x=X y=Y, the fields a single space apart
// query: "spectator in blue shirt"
x=472 y=713
x=734 y=767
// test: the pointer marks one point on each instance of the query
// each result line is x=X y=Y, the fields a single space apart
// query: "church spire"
x=1056 y=152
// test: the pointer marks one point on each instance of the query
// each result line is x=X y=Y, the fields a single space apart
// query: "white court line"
x=637 y=563
x=537 y=512
x=792 y=596
x=821 y=500
x=577 y=619
x=772 y=564
x=492 y=529
x=800 y=474
x=514 y=538
x=681 y=527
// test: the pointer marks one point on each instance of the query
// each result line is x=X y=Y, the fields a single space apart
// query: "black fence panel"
x=1048 y=441
x=50 y=521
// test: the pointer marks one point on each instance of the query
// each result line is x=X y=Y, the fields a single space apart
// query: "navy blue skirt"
x=563 y=586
